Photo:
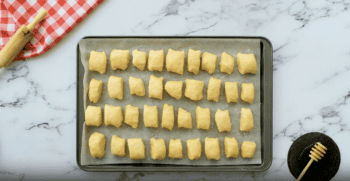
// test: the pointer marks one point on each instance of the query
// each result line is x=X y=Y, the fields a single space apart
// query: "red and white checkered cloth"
x=62 y=17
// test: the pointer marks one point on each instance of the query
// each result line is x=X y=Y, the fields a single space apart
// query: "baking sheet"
x=216 y=46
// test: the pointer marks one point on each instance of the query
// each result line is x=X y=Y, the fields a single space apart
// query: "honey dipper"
x=19 y=40
x=316 y=153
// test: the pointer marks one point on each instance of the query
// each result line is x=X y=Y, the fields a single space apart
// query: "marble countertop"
x=311 y=70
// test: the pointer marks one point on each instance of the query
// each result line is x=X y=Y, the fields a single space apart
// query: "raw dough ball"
x=194 y=149
x=120 y=59
x=247 y=92
x=168 y=117
x=158 y=149
x=118 y=146
x=214 y=87
x=175 y=149
x=155 y=87
x=95 y=90
x=174 y=89
x=156 y=60
x=115 y=87
x=113 y=116
x=93 y=116
x=139 y=59
x=246 y=63
x=231 y=91
x=203 y=118
x=98 y=62
x=194 y=89
x=231 y=147
x=246 y=122
x=136 y=86
x=209 y=62
x=131 y=116
x=175 y=61
x=223 y=121
x=248 y=149
x=212 y=148
x=184 y=119
x=193 y=61
x=227 y=63
x=150 y=116
x=97 y=145
x=136 y=148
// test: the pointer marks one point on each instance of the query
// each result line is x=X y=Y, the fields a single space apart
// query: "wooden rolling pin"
x=19 y=40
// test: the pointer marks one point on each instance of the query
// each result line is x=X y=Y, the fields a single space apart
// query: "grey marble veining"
x=311 y=89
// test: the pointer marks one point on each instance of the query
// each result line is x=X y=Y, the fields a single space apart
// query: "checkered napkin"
x=62 y=17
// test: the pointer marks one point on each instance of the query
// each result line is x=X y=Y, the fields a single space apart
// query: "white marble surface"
x=311 y=41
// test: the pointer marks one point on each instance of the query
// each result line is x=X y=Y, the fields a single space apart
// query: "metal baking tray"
x=266 y=89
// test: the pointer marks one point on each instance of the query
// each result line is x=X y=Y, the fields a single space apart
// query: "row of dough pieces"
x=113 y=116
x=97 y=144
x=175 y=61
x=193 y=90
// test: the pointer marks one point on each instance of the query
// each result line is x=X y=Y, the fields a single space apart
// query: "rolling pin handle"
x=41 y=15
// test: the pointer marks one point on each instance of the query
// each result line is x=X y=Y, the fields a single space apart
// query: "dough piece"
x=203 y=118
x=194 y=149
x=246 y=122
x=139 y=59
x=120 y=59
x=95 y=90
x=248 y=149
x=136 y=86
x=246 y=63
x=113 y=116
x=209 y=62
x=175 y=149
x=168 y=117
x=136 y=148
x=212 y=148
x=118 y=146
x=227 y=63
x=98 y=62
x=214 y=87
x=231 y=147
x=155 y=87
x=247 y=92
x=223 y=121
x=115 y=87
x=150 y=116
x=97 y=145
x=231 y=91
x=93 y=116
x=174 y=89
x=193 y=61
x=184 y=119
x=175 y=61
x=158 y=149
x=156 y=60
x=194 y=89
x=131 y=116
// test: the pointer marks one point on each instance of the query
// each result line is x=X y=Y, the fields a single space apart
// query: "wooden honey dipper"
x=19 y=40
x=316 y=153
